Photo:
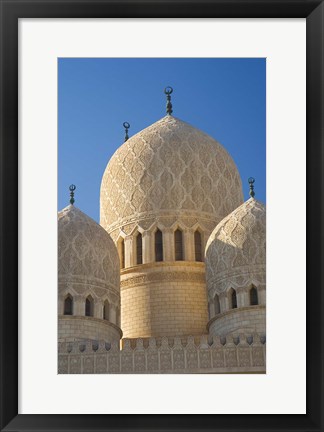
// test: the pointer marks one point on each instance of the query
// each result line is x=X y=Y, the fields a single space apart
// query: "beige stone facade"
x=177 y=268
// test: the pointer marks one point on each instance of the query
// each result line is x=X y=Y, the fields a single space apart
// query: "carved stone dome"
x=169 y=168
x=236 y=249
x=88 y=280
x=88 y=260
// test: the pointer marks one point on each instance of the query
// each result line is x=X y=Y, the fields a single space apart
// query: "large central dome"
x=170 y=165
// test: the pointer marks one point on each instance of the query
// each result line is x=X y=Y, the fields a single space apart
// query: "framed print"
x=174 y=182
x=154 y=271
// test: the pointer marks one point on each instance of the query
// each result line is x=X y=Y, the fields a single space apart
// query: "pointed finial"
x=251 y=181
x=168 y=91
x=72 y=189
x=126 y=126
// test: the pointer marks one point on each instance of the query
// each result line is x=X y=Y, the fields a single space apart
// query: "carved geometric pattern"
x=168 y=166
x=258 y=359
x=236 y=249
x=165 y=355
x=101 y=363
x=139 y=361
x=152 y=361
x=114 y=363
x=87 y=256
x=244 y=356
x=75 y=364
x=231 y=358
x=127 y=362
x=63 y=365
x=218 y=357
x=180 y=357
x=88 y=365
x=165 y=359
x=204 y=358
x=192 y=355
x=163 y=277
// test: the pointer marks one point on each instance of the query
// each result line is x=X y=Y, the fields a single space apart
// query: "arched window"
x=139 y=249
x=233 y=299
x=253 y=296
x=105 y=313
x=178 y=249
x=158 y=246
x=216 y=304
x=198 y=255
x=89 y=306
x=68 y=305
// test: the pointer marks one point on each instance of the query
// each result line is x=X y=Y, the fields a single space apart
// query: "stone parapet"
x=244 y=354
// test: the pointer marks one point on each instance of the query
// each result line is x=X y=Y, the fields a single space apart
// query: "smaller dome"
x=236 y=249
x=88 y=280
x=87 y=256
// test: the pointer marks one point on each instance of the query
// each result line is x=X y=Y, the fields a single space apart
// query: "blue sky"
x=225 y=98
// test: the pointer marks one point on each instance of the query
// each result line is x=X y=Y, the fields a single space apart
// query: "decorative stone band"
x=164 y=220
x=244 y=354
x=81 y=284
x=238 y=277
x=177 y=271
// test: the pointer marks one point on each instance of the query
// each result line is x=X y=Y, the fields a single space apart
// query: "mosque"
x=173 y=280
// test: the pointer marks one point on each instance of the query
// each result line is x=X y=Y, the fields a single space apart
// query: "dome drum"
x=139 y=247
x=249 y=295
x=248 y=320
x=71 y=328
x=164 y=299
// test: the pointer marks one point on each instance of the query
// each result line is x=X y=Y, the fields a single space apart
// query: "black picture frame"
x=11 y=11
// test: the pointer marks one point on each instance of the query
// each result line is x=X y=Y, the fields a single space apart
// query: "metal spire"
x=251 y=181
x=72 y=189
x=126 y=126
x=168 y=91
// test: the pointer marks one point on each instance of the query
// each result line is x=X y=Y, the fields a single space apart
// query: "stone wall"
x=251 y=319
x=244 y=354
x=164 y=299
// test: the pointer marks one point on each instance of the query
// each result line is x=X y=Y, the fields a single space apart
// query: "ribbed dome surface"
x=236 y=249
x=169 y=167
x=87 y=256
